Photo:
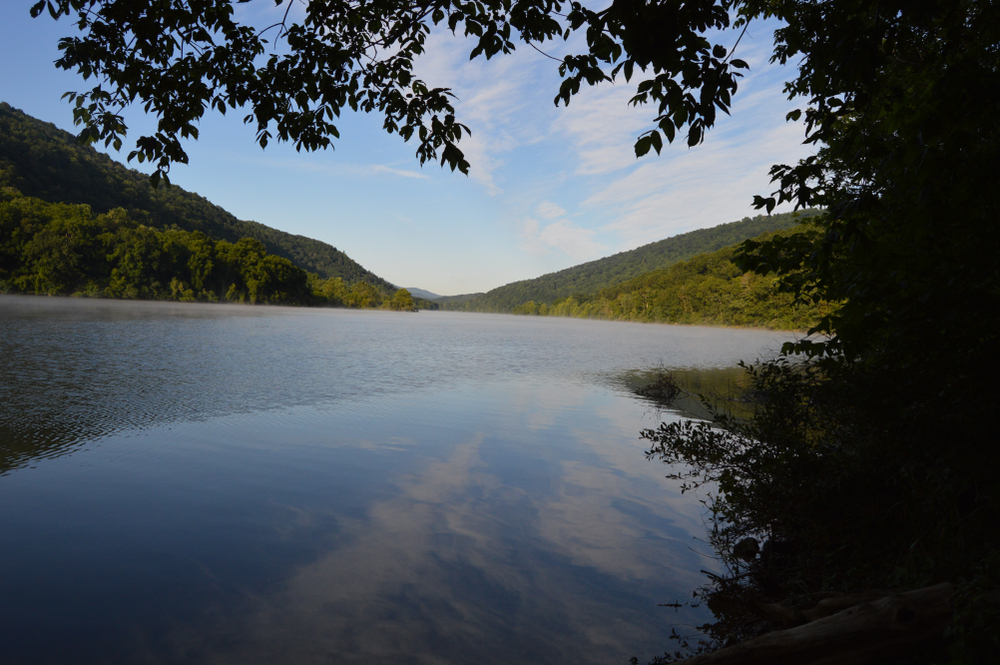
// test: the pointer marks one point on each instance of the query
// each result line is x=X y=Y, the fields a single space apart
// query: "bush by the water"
x=844 y=479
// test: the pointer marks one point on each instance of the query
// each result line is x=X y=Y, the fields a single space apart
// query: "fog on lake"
x=228 y=484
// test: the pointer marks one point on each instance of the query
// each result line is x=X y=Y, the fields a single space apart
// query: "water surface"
x=222 y=484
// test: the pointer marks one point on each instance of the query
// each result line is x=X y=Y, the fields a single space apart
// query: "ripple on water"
x=75 y=370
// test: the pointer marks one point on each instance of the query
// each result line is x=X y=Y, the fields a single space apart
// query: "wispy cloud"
x=601 y=128
x=493 y=97
x=709 y=185
x=405 y=173
x=340 y=169
x=561 y=236
x=633 y=202
x=549 y=210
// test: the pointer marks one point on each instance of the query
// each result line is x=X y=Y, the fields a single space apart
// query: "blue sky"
x=549 y=187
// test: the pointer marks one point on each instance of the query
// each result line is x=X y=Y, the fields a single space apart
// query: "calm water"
x=211 y=484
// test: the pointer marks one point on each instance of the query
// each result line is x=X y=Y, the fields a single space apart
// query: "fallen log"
x=874 y=631
x=786 y=616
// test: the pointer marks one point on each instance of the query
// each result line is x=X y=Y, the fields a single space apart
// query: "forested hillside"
x=588 y=278
x=39 y=160
x=708 y=289
x=64 y=249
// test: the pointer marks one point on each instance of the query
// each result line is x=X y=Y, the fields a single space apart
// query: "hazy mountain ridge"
x=594 y=276
x=42 y=161
x=421 y=293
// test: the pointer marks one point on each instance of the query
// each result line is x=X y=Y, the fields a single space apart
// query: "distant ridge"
x=41 y=160
x=422 y=293
x=593 y=276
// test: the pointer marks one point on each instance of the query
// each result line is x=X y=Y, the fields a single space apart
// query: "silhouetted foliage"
x=838 y=494
x=872 y=464
x=360 y=56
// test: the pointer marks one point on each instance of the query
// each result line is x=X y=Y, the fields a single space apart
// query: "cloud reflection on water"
x=336 y=486
x=463 y=564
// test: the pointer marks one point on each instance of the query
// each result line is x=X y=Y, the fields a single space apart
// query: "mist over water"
x=222 y=484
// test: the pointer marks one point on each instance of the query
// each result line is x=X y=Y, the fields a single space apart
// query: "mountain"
x=708 y=289
x=453 y=302
x=591 y=277
x=42 y=161
x=422 y=293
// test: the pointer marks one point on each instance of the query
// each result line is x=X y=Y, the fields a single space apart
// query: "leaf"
x=694 y=135
x=656 y=140
x=643 y=145
x=668 y=128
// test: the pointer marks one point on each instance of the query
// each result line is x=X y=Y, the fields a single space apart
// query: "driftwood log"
x=871 y=631
x=823 y=605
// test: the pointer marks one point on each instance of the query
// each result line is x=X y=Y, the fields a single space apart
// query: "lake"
x=227 y=484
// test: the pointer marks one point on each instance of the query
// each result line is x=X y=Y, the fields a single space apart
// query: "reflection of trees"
x=123 y=367
x=21 y=445
x=722 y=387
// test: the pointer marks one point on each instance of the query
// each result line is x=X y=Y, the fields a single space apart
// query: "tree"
x=363 y=295
x=138 y=258
x=901 y=102
x=877 y=460
x=402 y=301
x=180 y=58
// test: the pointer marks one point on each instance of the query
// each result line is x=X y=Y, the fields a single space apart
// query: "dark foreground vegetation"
x=866 y=472
x=829 y=485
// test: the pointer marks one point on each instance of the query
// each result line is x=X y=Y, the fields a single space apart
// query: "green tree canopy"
x=402 y=301
x=60 y=249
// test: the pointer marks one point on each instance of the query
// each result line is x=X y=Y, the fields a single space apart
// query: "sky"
x=550 y=187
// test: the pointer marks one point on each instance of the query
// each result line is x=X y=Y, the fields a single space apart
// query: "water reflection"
x=263 y=485
x=458 y=568
x=702 y=391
